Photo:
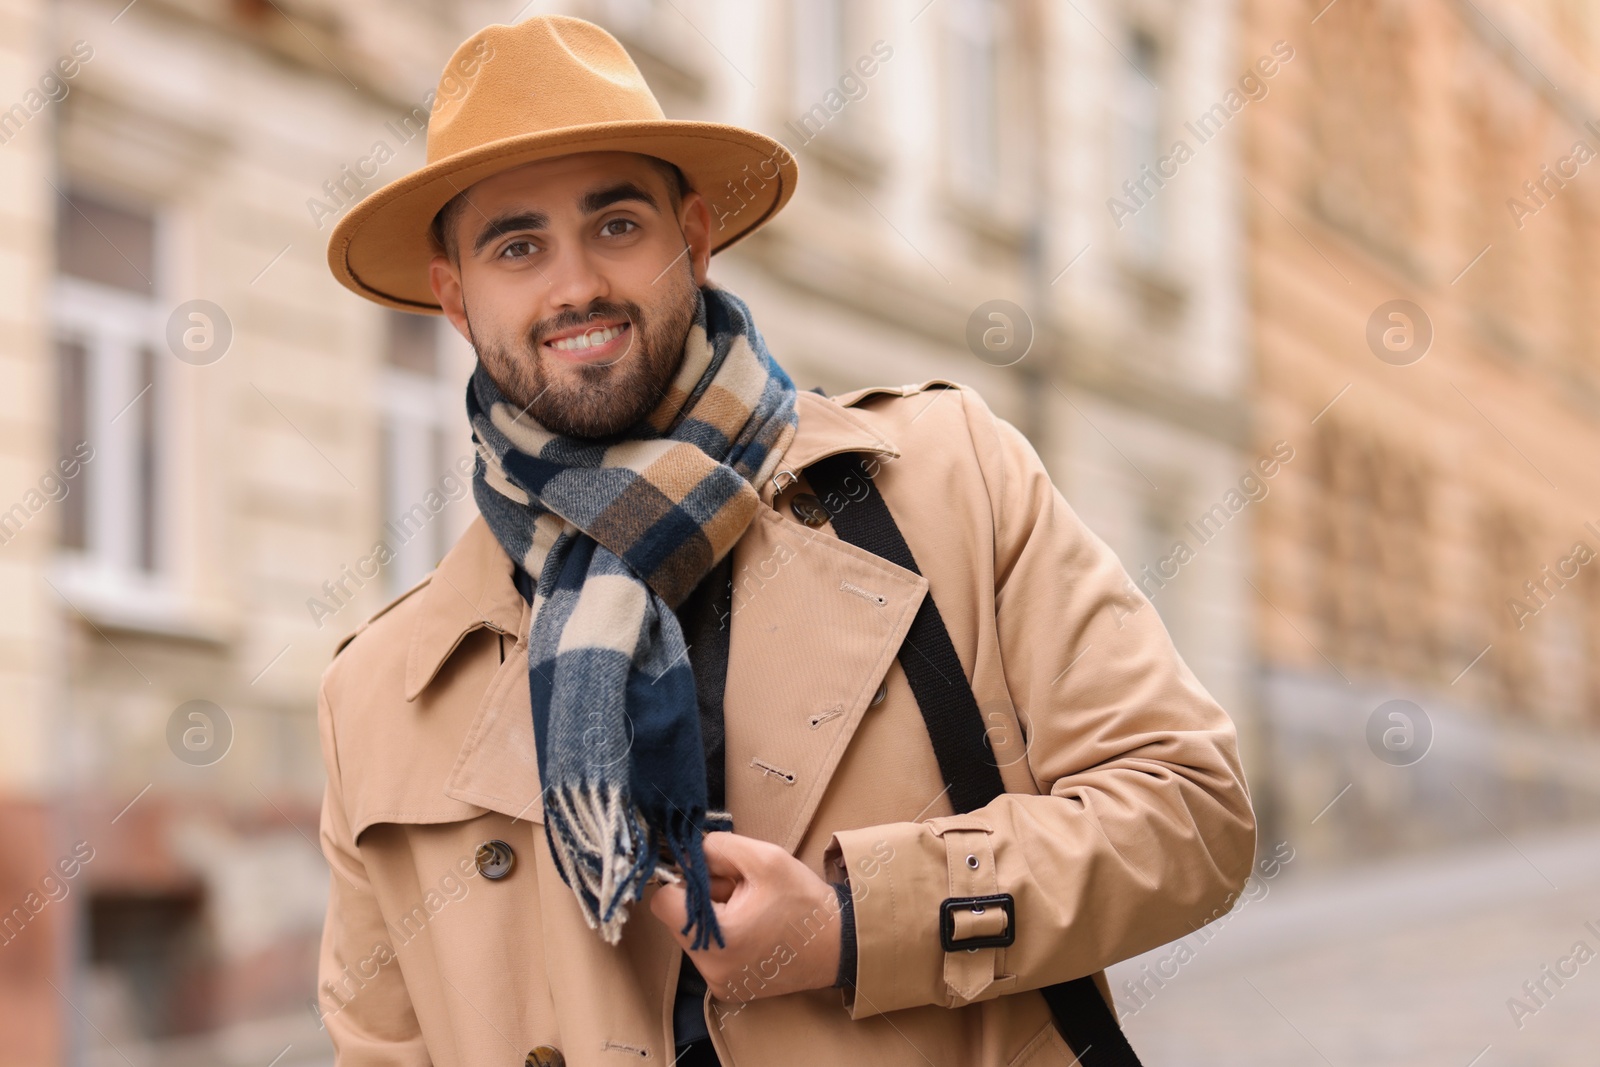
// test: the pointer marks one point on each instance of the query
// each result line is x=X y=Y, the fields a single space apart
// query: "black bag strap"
x=955 y=726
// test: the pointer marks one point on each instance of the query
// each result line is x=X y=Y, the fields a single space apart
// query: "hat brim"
x=381 y=247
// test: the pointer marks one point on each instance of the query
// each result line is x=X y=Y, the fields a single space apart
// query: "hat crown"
x=543 y=74
x=548 y=86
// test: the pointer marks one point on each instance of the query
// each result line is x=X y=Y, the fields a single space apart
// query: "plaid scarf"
x=618 y=531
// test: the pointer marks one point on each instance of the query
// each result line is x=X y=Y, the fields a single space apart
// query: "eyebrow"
x=507 y=223
x=600 y=199
x=589 y=203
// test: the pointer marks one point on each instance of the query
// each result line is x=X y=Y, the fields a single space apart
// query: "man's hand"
x=779 y=920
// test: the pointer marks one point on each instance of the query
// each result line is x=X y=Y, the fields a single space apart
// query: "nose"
x=575 y=279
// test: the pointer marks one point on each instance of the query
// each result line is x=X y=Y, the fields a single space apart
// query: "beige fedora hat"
x=547 y=86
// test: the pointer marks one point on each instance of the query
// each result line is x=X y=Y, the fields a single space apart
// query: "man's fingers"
x=721 y=857
x=676 y=897
x=670 y=905
x=727 y=858
x=733 y=854
x=724 y=875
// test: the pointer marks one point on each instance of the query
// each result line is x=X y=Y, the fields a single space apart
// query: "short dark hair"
x=442 y=231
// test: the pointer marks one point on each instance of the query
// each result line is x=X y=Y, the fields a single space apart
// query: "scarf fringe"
x=685 y=840
x=601 y=848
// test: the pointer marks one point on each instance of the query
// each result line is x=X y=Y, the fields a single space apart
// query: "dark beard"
x=610 y=398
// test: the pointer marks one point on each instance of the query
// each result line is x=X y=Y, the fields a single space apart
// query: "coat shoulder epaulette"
x=855 y=396
x=370 y=619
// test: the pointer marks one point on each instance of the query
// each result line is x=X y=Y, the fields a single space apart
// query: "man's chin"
x=555 y=407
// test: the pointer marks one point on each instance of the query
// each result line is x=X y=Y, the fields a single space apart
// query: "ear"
x=444 y=278
x=694 y=218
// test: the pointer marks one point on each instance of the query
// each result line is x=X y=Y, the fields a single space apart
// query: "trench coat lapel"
x=817 y=623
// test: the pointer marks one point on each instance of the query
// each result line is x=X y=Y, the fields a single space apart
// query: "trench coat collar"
x=473 y=586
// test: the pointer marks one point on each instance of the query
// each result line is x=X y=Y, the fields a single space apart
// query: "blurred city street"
x=1412 y=963
x=1294 y=301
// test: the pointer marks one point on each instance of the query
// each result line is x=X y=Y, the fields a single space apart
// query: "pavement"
x=1418 y=962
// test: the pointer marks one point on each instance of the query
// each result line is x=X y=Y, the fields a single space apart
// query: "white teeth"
x=591 y=339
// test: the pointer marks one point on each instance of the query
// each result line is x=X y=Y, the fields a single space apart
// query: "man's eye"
x=517 y=250
x=609 y=229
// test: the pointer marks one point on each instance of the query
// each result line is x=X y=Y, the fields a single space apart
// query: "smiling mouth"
x=590 y=341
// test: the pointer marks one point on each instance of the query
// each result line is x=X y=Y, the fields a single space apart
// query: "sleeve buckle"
x=977 y=905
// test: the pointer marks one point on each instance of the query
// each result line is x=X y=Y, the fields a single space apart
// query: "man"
x=651 y=671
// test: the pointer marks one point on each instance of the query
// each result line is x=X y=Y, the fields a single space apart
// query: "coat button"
x=808 y=509
x=546 y=1056
x=495 y=860
x=883 y=691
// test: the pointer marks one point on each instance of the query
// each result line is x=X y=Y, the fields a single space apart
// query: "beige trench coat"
x=1127 y=822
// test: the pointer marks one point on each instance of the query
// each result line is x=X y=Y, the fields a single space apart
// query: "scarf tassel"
x=595 y=832
x=597 y=836
x=685 y=840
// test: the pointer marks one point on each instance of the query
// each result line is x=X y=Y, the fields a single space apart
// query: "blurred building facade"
x=1422 y=232
x=203 y=440
x=206 y=439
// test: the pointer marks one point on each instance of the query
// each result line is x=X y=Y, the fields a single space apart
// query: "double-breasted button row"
x=495 y=860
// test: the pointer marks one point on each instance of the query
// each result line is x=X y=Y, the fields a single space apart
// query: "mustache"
x=600 y=309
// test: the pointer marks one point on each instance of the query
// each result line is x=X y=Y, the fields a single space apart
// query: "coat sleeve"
x=1142 y=830
x=361 y=995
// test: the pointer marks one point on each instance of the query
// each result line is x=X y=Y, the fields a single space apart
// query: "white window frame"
x=974 y=31
x=113 y=327
x=633 y=15
x=421 y=414
x=818 y=52
x=1139 y=111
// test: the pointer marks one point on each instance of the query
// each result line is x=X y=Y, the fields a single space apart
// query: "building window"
x=1344 y=547
x=973 y=32
x=1165 y=547
x=818 y=27
x=425 y=451
x=1363 y=145
x=1139 y=121
x=628 y=15
x=1589 y=596
x=1578 y=226
x=113 y=391
x=1410 y=643
x=1564 y=650
x=1496 y=285
x=1373 y=595
x=1507 y=556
